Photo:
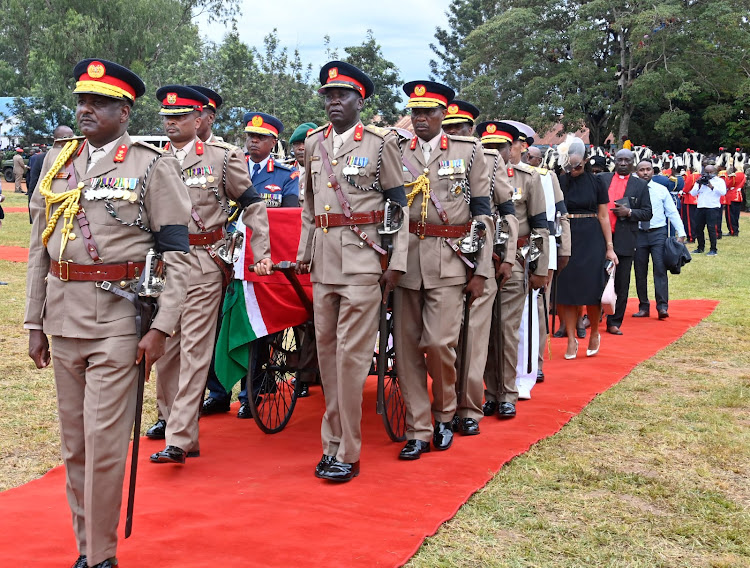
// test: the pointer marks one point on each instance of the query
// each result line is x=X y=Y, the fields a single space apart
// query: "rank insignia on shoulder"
x=294 y=174
x=122 y=151
x=511 y=173
x=358 y=131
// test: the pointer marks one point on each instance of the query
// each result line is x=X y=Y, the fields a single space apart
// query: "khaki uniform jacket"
x=80 y=309
x=18 y=164
x=502 y=199
x=432 y=262
x=203 y=188
x=339 y=256
x=531 y=208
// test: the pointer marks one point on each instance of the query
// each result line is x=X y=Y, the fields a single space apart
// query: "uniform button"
x=72 y=236
x=427 y=170
x=334 y=162
x=325 y=230
x=123 y=283
x=329 y=184
x=327 y=207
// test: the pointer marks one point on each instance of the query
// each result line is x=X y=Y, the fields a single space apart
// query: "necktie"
x=95 y=156
x=180 y=155
x=337 y=143
x=426 y=149
x=256 y=169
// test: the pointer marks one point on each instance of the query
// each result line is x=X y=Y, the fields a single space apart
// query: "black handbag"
x=676 y=255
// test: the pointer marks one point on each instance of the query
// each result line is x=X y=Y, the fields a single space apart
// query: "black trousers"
x=708 y=218
x=651 y=244
x=622 y=287
x=689 y=220
x=733 y=217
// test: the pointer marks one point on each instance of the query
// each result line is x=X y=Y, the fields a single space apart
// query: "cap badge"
x=333 y=72
x=171 y=98
x=452 y=109
x=420 y=90
x=491 y=128
x=257 y=121
x=95 y=70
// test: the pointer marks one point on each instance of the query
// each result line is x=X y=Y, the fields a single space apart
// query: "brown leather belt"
x=522 y=241
x=581 y=215
x=206 y=238
x=429 y=230
x=340 y=220
x=95 y=272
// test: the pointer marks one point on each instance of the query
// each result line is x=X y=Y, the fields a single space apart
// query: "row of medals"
x=100 y=189
x=199 y=180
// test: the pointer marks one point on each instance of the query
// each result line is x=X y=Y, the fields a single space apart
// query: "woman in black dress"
x=583 y=280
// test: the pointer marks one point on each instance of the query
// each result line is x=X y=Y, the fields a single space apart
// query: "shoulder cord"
x=70 y=199
x=492 y=183
x=467 y=193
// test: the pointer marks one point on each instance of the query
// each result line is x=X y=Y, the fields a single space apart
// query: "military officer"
x=214 y=173
x=276 y=182
x=108 y=200
x=297 y=142
x=353 y=173
x=459 y=121
x=450 y=188
x=208 y=115
x=501 y=392
x=559 y=249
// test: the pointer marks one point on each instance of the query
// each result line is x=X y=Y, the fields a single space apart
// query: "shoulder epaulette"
x=63 y=141
x=382 y=132
x=318 y=129
x=520 y=166
x=222 y=144
x=489 y=152
x=283 y=166
x=541 y=171
x=149 y=146
x=471 y=139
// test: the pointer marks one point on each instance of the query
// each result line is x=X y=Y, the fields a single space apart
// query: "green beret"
x=300 y=133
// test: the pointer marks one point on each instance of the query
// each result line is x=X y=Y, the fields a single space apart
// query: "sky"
x=403 y=28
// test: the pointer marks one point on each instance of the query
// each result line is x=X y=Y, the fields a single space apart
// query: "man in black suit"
x=36 y=161
x=629 y=203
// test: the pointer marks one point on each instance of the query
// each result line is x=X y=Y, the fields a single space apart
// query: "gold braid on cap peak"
x=420 y=185
x=70 y=199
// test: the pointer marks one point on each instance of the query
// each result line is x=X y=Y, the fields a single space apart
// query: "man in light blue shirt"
x=650 y=242
x=709 y=189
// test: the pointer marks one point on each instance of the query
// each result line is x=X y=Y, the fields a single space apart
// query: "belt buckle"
x=324 y=224
x=421 y=228
x=66 y=270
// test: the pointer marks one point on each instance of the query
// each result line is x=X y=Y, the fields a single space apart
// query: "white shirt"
x=263 y=163
x=433 y=143
x=709 y=196
x=186 y=148
x=663 y=208
x=343 y=137
x=102 y=151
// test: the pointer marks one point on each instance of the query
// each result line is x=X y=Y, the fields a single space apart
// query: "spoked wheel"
x=274 y=361
x=394 y=407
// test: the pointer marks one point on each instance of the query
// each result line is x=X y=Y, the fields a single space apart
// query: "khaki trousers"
x=480 y=320
x=96 y=388
x=426 y=327
x=182 y=371
x=501 y=387
x=19 y=181
x=346 y=327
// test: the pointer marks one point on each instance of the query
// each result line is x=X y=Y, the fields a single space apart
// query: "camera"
x=704 y=179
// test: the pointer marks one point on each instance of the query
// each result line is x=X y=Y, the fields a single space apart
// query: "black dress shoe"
x=324 y=461
x=581 y=332
x=170 y=454
x=340 y=471
x=696 y=251
x=540 y=376
x=442 y=437
x=663 y=314
x=468 y=427
x=108 y=563
x=214 y=406
x=614 y=330
x=641 y=314
x=244 y=411
x=506 y=410
x=304 y=390
x=489 y=407
x=158 y=431
x=413 y=449
x=81 y=562
x=559 y=333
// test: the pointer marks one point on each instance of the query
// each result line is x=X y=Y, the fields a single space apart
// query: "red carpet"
x=16 y=209
x=252 y=500
x=14 y=254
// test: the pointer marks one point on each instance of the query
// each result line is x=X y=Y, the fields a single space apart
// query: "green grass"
x=655 y=472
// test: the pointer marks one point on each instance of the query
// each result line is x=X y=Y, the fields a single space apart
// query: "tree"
x=384 y=74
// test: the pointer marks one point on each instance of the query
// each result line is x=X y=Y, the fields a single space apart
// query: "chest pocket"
x=453 y=186
x=362 y=176
x=318 y=179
